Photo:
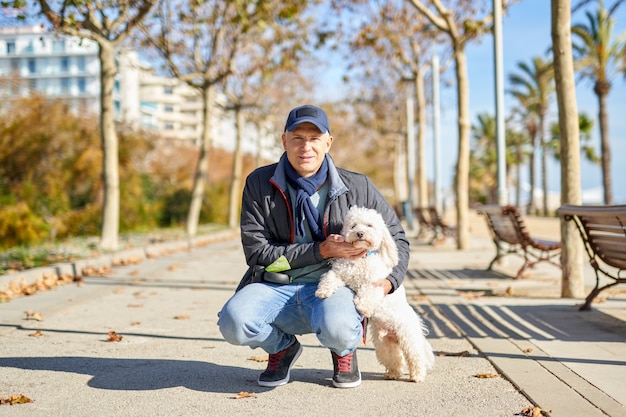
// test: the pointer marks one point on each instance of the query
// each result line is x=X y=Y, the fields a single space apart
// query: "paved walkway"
x=172 y=361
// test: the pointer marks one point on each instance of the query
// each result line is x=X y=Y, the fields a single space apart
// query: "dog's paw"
x=323 y=292
x=392 y=375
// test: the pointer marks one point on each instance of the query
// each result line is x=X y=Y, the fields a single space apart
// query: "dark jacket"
x=267 y=229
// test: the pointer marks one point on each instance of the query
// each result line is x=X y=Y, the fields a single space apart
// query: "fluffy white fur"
x=397 y=330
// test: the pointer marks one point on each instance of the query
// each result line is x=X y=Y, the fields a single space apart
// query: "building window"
x=30 y=48
x=10 y=47
x=168 y=90
x=168 y=126
x=65 y=85
x=82 y=85
x=168 y=109
x=65 y=64
x=32 y=66
x=58 y=45
x=80 y=63
x=15 y=65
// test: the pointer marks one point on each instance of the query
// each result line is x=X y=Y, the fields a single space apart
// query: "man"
x=292 y=213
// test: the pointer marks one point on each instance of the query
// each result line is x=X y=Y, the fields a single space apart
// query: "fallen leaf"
x=264 y=358
x=471 y=294
x=135 y=305
x=114 y=337
x=244 y=394
x=487 y=375
x=182 y=317
x=534 y=411
x=38 y=333
x=30 y=315
x=172 y=267
x=464 y=353
x=15 y=399
x=528 y=350
x=419 y=297
x=135 y=323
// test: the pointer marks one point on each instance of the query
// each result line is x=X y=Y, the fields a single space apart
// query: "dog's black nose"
x=360 y=235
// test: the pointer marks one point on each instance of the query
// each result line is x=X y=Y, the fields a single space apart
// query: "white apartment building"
x=33 y=59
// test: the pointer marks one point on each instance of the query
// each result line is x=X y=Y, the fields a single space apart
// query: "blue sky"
x=526 y=34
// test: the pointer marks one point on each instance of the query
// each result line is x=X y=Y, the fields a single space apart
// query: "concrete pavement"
x=172 y=361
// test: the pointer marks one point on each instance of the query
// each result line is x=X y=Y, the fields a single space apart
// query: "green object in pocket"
x=279 y=265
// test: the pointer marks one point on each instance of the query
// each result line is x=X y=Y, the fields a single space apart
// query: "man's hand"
x=336 y=247
x=385 y=283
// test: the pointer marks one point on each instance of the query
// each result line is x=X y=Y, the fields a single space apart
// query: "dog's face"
x=364 y=228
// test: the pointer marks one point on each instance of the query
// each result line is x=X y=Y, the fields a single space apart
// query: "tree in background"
x=264 y=55
x=533 y=87
x=585 y=125
x=397 y=35
x=198 y=43
x=484 y=159
x=597 y=56
x=108 y=23
x=50 y=174
x=572 y=284
x=459 y=24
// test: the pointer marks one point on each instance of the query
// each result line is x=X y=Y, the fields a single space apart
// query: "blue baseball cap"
x=307 y=113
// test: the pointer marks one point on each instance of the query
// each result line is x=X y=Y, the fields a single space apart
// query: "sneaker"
x=346 y=371
x=279 y=366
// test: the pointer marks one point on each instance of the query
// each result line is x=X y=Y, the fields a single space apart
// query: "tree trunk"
x=518 y=172
x=110 y=158
x=544 y=161
x=532 y=170
x=422 y=179
x=605 y=145
x=235 y=185
x=462 y=168
x=202 y=169
x=572 y=284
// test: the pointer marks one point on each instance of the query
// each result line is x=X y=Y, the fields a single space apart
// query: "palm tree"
x=597 y=56
x=533 y=88
x=484 y=160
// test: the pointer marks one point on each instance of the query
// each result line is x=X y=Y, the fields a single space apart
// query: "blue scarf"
x=304 y=207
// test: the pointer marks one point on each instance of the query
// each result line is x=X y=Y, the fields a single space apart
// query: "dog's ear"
x=389 y=249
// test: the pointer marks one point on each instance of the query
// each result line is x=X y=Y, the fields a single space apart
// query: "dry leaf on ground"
x=38 y=333
x=31 y=315
x=264 y=358
x=471 y=294
x=534 y=411
x=487 y=375
x=244 y=394
x=15 y=399
x=114 y=337
x=182 y=317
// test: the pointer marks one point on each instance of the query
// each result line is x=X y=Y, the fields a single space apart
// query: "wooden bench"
x=431 y=222
x=426 y=227
x=509 y=233
x=603 y=231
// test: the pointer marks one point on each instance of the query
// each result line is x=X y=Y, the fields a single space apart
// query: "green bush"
x=19 y=226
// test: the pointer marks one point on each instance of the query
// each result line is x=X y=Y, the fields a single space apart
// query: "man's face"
x=306 y=147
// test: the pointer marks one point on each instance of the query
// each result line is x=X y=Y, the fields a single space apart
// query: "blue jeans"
x=269 y=315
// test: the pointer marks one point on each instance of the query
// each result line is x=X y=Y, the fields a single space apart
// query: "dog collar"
x=370 y=253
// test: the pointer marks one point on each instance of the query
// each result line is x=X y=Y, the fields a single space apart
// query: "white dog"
x=397 y=331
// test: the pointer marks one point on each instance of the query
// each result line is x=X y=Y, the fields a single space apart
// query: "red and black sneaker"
x=346 y=371
x=279 y=366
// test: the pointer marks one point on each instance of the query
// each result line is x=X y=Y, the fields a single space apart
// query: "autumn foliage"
x=50 y=176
